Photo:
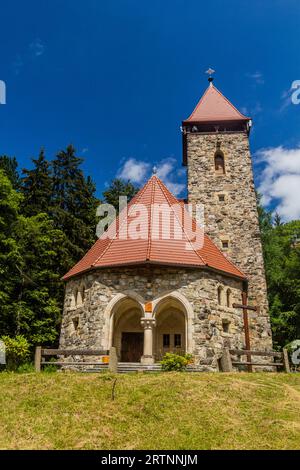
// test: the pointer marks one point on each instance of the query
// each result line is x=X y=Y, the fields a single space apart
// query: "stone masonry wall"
x=236 y=219
x=198 y=286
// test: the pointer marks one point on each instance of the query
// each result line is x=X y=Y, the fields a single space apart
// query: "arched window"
x=80 y=296
x=220 y=295
x=228 y=298
x=75 y=323
x=219 y=163
x=225 y=325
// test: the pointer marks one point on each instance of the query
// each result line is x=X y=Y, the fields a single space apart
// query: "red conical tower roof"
x=213 y=113
x=177 y=249
x=214 y=107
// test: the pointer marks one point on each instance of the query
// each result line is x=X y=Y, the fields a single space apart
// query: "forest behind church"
x=47 y=223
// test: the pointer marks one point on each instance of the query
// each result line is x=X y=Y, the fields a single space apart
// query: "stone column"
x=148 y=324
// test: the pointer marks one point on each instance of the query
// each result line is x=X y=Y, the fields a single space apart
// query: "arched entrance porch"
x=127 y=331
x=171 y=327
x=147 y=336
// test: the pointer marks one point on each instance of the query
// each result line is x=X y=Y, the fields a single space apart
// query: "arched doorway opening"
x=128 y=334
x=171 y=327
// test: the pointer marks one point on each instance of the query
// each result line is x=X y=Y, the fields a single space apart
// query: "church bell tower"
x=220 y=176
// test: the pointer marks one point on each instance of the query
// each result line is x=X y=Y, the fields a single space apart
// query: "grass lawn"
x=150 y=411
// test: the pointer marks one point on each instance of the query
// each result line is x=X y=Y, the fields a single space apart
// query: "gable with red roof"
x=180 y=250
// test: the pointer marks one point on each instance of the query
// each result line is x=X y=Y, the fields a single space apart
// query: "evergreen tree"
x=44 y=259
x=283 y=277
x=74 y=202
x=10 y=167
x=117 y=188
x=43 y=232
x=66 y=173
x=37 y=187
x=33 y=257
x=277 y=220
x=282 y=265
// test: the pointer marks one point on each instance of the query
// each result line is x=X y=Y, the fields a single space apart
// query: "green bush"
x=25 y=368
x=17 y=351
x=49 y=368
x=175 y=362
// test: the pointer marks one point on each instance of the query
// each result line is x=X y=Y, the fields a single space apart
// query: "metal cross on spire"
x=210 y=71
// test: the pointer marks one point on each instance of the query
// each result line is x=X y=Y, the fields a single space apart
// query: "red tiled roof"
x=213 y=106
x=177 y=249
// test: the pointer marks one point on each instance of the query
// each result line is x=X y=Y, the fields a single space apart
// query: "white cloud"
x=175 y=188
x=166 y=171
x=164 y=168
x=286 y=98
x=139 y=171
x=134 y=170
x=257 y=77
x=280 y=180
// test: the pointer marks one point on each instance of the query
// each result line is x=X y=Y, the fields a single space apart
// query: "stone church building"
x=149 y=295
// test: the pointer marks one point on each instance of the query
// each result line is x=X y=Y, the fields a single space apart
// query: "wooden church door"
x=132 y=347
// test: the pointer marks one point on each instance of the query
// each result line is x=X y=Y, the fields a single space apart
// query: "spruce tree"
x=33 y=257
x=37 y=187
x=277 y=220
x=44 y=258
x=74 y=202
x=118 y=187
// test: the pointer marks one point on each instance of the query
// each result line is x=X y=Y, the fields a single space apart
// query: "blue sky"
x=116 y=78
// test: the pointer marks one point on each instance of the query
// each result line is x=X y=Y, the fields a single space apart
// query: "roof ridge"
x=133 y=200
x=198 y=103
x=212 y=87
x=163 y=188
x=150 y=222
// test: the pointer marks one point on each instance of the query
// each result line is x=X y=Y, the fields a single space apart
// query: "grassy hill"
x=160 y=411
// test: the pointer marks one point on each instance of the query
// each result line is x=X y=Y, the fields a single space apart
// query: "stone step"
x=138 y=364
x=130 y=367
x=124 y=367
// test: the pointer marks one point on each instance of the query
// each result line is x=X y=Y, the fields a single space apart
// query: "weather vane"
x=210 y=71
x=154 y=170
